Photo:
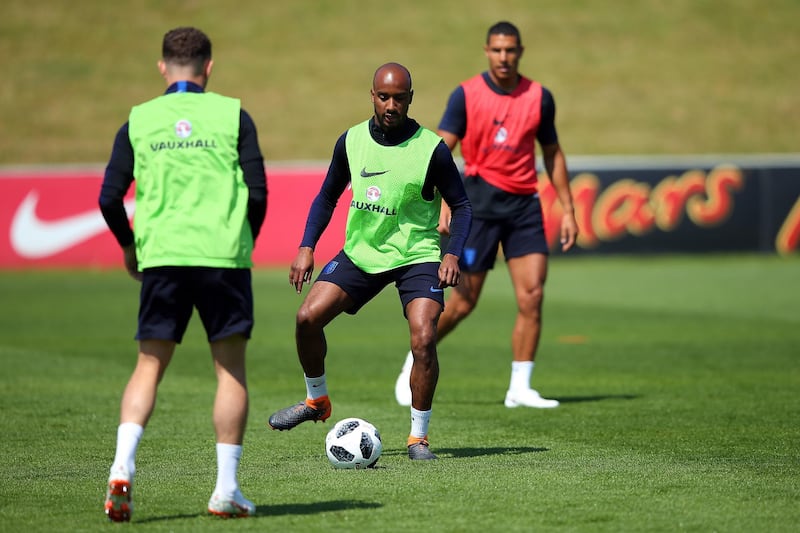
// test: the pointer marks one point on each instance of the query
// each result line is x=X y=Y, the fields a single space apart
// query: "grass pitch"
x=678 y=378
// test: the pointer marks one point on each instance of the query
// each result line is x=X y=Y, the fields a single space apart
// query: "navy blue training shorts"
x=223 y=298
x=520 y=235
x=413 y=281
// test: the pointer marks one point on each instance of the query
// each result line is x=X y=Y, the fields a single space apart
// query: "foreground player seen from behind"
x=198 y=213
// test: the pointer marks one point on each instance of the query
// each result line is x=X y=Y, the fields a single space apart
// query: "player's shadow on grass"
x=561 y=399
x=313 y=508
x=165 y=517
x=279 y=510
x=476 y=452
x=595 y=398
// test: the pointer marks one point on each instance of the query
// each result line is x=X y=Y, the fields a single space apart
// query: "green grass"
x=678 y=378
x=629 y=77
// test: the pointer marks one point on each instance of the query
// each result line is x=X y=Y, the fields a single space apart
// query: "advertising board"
x=49 y=217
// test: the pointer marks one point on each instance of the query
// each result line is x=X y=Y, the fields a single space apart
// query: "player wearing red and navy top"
x=498 y=117
x=502 y=124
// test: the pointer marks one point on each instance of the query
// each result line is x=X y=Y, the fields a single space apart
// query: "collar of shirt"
x=496 y=88
x=184 y=86
x=394 y=137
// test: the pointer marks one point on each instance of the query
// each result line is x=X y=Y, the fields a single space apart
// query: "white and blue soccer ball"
x=353 y=443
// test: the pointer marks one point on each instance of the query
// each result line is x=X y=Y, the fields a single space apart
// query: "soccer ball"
x=353 y=443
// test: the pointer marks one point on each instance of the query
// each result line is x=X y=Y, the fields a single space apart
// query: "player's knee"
x=423 y=342
x=305 y=319
x=461 y=309
x=530 y=300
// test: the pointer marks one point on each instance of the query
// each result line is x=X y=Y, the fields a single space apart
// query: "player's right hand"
x=449 y=271
x=132 y=262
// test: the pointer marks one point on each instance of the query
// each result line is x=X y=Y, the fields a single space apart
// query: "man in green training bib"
x=201 y=198
x=399 y=173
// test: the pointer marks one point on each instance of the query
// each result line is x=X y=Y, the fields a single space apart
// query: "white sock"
x=128 y=436
x=316 y=387
x=409 y=362
x=520 y=375
x=419 y=423
x=228 y=456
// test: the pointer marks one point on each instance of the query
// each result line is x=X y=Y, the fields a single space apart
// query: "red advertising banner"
x=50 y=218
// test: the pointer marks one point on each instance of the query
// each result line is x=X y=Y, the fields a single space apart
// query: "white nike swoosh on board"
x=34 y=238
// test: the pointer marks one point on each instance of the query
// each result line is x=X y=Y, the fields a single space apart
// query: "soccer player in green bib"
x=399 y=173
x=201 y=198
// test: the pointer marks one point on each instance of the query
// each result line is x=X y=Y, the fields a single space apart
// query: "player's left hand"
x=569 y=231
x=449 y=271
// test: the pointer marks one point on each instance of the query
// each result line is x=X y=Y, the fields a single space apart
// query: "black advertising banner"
x=682 y=205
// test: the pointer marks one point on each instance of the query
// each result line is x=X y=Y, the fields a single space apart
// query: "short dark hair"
x=504 y=28
x=186 y=46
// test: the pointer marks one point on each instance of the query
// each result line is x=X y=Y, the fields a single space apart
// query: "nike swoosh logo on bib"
x=365 y=174
x=34 y=238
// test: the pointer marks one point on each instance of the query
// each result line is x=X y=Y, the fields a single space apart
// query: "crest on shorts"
x=330 y=267
x=469 y=255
